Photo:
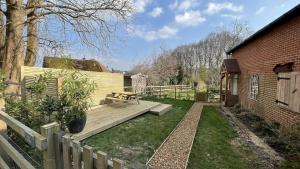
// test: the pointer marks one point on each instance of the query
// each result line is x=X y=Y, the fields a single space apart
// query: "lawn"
x=215 y=147
x=135 y=141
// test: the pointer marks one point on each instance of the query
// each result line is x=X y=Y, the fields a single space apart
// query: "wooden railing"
x=59 y=151
x=40 y=141
x=173 y=91
x=74 y=156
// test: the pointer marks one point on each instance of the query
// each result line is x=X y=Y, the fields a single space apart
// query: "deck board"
x=105 y=117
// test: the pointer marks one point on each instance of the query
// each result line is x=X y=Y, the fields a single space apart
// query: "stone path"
x=175 y=150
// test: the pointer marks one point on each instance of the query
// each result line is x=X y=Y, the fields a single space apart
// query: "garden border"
x=254 y=139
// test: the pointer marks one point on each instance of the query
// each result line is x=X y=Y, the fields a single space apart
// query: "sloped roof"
x=231 y=66
x=282 y=19
x=68 y=63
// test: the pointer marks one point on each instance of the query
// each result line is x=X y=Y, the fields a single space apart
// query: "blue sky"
x=170 y=23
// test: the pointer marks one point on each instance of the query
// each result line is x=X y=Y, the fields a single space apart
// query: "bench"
x=123 y=98
x=115 y=99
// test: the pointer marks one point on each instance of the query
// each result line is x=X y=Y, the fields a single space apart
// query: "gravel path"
x=175 y=150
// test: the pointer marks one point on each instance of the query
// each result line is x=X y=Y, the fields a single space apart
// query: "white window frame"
x=253 y=86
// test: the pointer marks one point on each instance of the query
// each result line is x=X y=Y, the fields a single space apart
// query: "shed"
x=138 y=82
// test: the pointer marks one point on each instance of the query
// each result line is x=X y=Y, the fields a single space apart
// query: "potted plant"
x=75 y=118
x=74 y=101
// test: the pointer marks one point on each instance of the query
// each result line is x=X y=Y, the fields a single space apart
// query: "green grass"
x=213 y=146
x=135 y=141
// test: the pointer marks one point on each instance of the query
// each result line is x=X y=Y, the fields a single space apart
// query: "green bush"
x=72 y=102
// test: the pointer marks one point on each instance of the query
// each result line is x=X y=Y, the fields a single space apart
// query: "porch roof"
x=230 y=66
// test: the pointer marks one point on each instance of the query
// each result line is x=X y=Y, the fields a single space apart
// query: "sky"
x=171 y=23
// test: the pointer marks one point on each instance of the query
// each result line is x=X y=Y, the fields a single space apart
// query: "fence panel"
x=43 y=142
x=52 y=142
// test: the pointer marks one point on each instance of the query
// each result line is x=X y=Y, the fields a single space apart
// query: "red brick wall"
x=280 y=45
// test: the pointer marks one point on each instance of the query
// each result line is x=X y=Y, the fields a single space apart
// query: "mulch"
x=175 y=150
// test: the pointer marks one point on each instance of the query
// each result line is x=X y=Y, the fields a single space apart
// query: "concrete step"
x=161 y=109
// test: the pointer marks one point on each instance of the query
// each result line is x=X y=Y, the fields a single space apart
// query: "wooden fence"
x=178 y=92
x=77 y=157
x=59 y=151
x=171 y=91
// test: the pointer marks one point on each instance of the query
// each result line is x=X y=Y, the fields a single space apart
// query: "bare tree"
x=2 y=36
x=93 y=21
x=210 y=52
x=160 y=68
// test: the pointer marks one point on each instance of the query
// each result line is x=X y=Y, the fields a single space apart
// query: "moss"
x=65 y=62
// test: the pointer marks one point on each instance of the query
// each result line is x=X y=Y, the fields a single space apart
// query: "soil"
x=262 y=155
x=287 y=147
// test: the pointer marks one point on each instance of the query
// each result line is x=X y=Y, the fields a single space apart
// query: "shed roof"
x=231 y=66
x=282 y=19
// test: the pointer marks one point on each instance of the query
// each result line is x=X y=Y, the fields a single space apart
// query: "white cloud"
x=232 y=16
x=140 y=5
x=184 y=5
x=164 y=32
x=213 y=8
x=156 y=12
x=260 y=10
x=190 y=18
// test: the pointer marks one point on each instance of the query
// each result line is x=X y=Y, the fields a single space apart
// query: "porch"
x=230 y=71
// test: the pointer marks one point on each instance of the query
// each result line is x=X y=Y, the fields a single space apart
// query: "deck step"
x=161 y=109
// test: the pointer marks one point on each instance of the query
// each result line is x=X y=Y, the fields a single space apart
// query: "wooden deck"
x=107 y=116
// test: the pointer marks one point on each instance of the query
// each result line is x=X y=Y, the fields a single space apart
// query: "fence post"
x=3 y=130
x=175 y=92
x=76 y=150
x=87 y=156
x=160 y=92
x=118 y=164
x=195 y=93
x=58 y=149
x=48 y=131
x=101 y=160
x=207 y=94
x=67 y=151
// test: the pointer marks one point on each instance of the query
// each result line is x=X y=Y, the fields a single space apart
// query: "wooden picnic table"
x=124 y=96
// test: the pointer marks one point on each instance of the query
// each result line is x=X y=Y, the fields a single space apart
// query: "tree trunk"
x=32 y=36
x=2 y=38
x=14 y=45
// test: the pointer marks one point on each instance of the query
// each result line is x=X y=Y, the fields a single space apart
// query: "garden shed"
x=138 y=82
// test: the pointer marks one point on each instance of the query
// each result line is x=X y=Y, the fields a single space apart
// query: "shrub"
x=236 y=109
x=71 y=103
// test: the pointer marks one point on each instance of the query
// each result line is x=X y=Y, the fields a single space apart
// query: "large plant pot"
x=77 y=125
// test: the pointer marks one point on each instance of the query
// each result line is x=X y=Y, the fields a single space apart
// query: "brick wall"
x=280 y=45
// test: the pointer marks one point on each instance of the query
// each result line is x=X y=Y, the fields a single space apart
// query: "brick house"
x=263 y=72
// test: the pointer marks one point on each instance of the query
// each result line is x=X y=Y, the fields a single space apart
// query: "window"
x=234 y=85
x=283 y=89
x=253 y=89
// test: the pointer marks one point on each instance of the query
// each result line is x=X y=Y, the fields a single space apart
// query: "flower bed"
x=288 y=146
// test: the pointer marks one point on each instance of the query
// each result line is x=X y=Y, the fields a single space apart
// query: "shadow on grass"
x=135 y=141
x=215 y=145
